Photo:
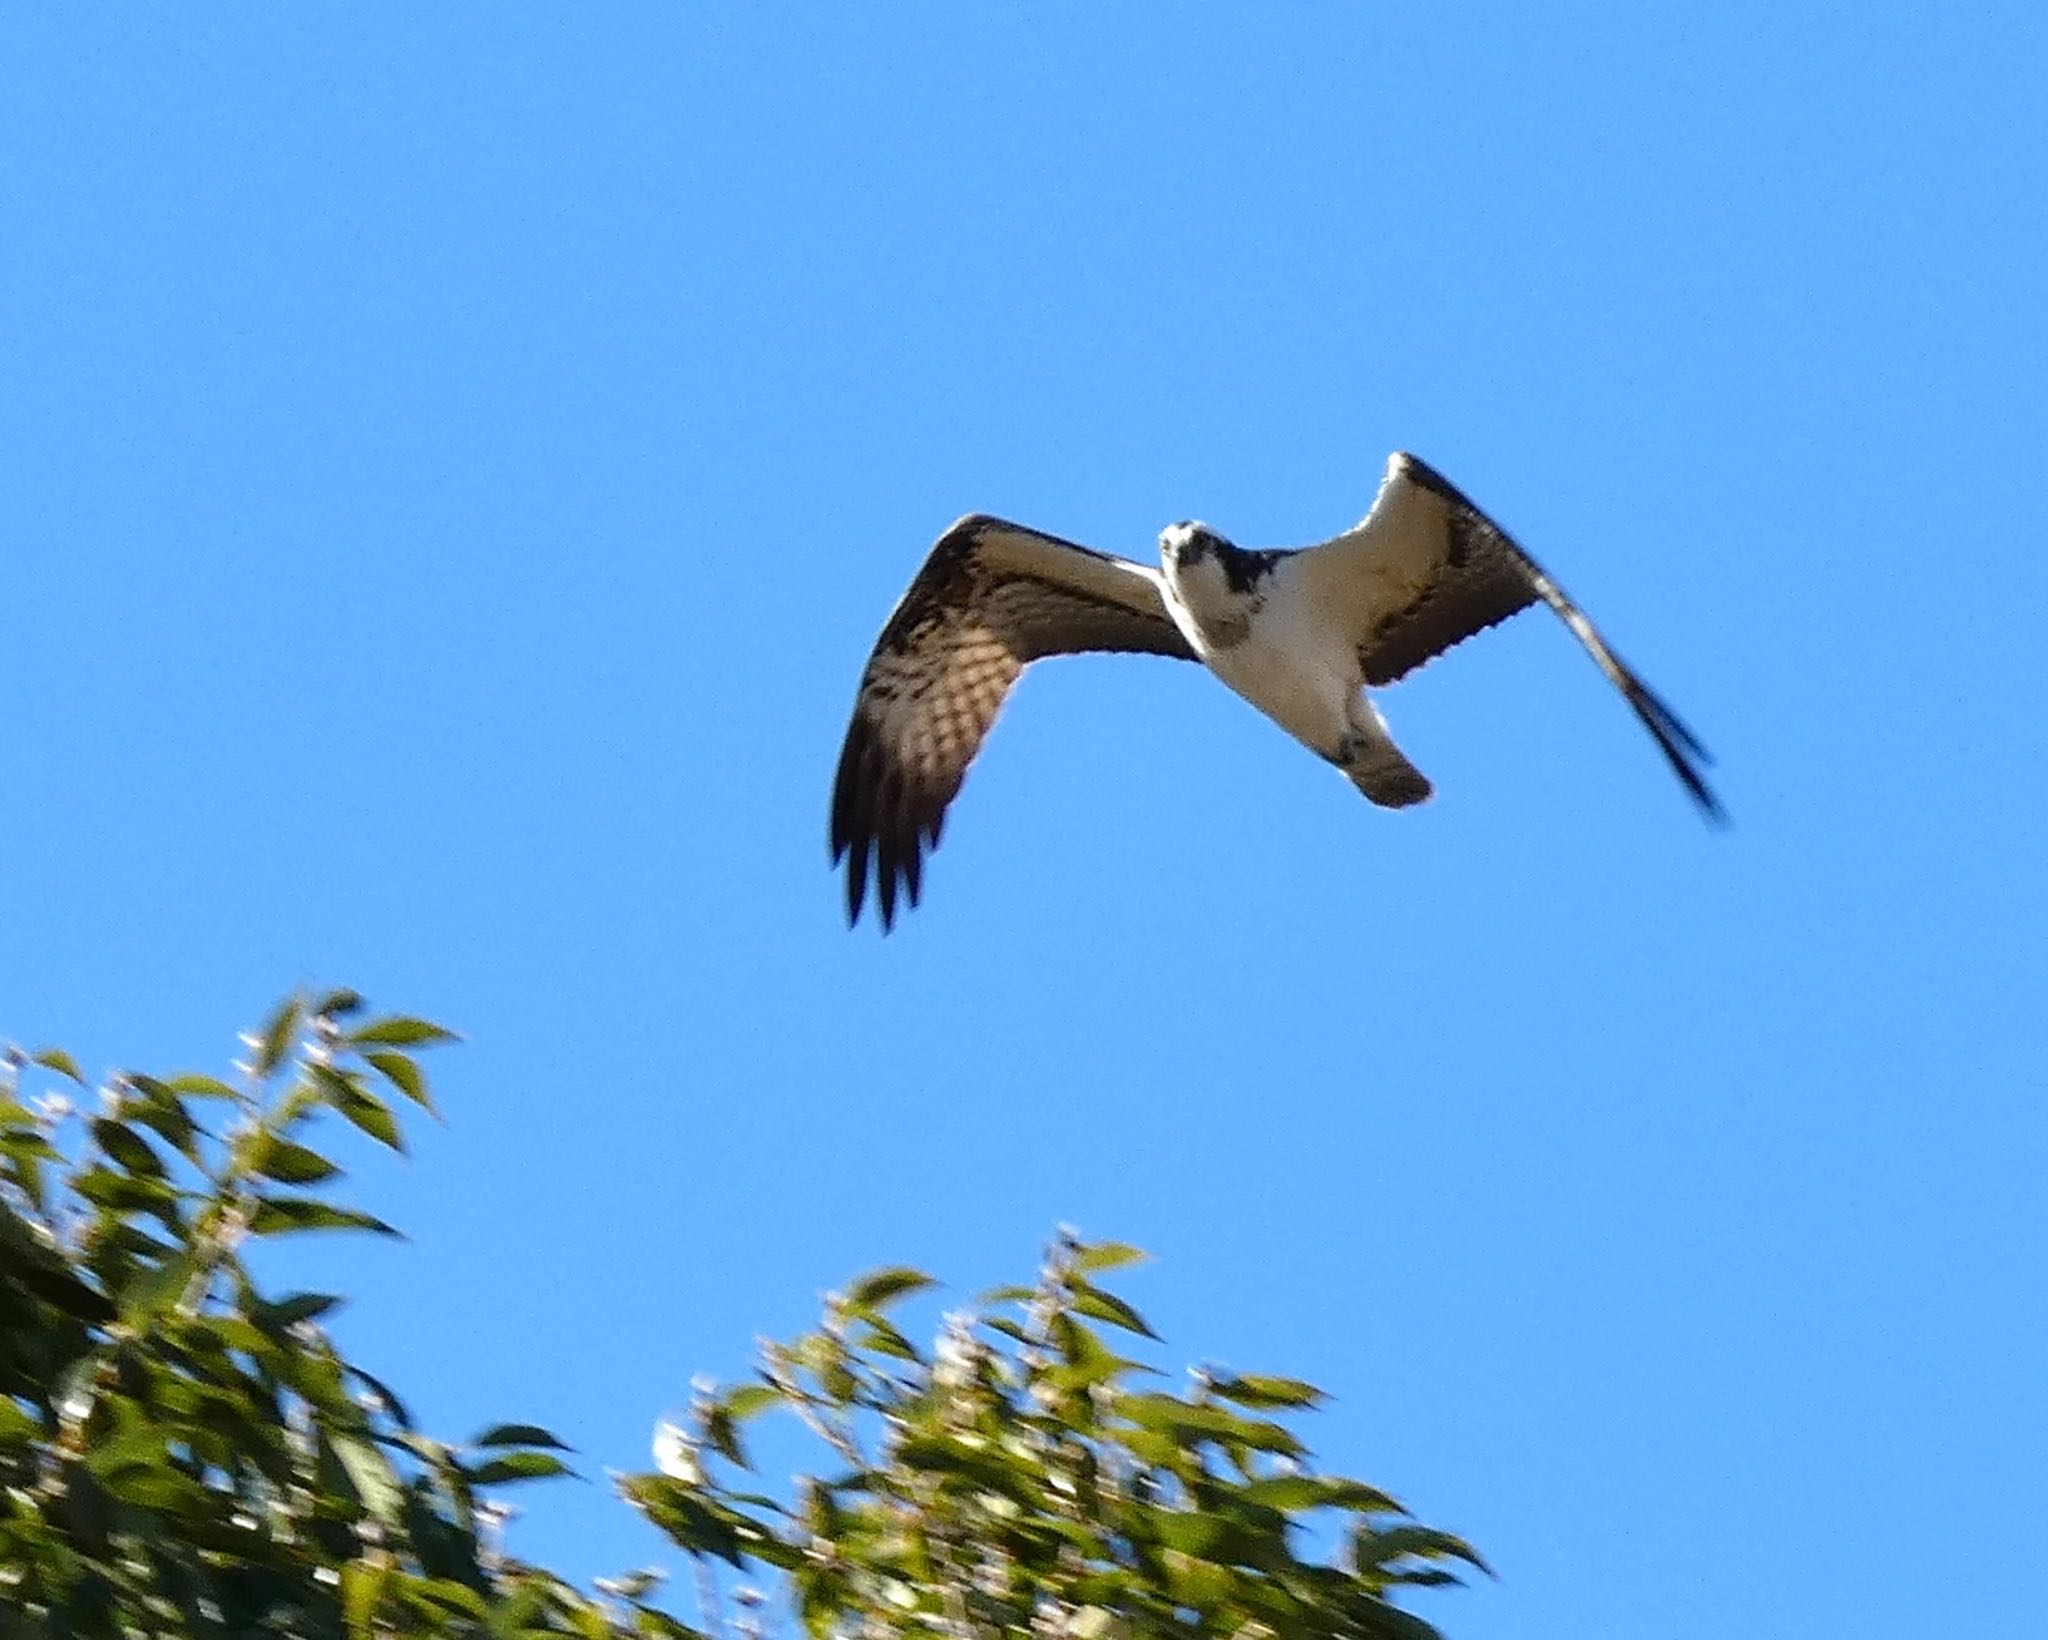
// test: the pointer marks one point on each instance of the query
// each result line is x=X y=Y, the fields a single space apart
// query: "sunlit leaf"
x=517 y=1466
x=881 y=1287
x=199 y=1087
x=370 y=1472
x=1108 y=1255
x=362 y=1591
x=275 y=1040
x=1257 y=1390
x=1093 y=1301
x=404 y=1074
x=56 y=1059
x=749 y=1399
x=400 y=1030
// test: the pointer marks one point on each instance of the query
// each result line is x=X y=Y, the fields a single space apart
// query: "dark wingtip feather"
x=1682 y=748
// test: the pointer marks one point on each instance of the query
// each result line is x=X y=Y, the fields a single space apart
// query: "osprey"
x=1298 y=634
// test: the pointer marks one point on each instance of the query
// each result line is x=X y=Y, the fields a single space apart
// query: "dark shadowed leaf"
x=339 y=1004
x=297 y=1307
x=288 y=1162
x=127 y=1147
x=280 y=1215
x=164 y=1113
x=1382 y=1548
x=360 y=1106
x=385 y=1394
x=519 y=1435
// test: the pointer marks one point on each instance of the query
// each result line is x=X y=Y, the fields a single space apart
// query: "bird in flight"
x=1299 y=634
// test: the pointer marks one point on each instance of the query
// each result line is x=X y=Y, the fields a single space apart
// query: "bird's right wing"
x=992 y=597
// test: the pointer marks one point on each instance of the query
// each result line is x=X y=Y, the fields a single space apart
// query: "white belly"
x=1286 y=665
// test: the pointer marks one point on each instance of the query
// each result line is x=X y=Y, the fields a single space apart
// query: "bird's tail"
x=1374 y=764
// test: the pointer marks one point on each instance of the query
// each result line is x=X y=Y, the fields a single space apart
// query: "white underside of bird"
x=1289 y=654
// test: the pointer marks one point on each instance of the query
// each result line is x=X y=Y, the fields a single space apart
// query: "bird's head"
x=1181 y=546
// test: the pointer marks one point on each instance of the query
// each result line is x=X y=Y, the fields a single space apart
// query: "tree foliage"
x=183 y=1451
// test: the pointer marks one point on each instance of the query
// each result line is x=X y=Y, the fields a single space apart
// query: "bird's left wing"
x=1426 y=569
x=992 y=597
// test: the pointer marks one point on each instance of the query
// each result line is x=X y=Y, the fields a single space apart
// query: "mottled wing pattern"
x=1426 y=570
x=992 y=597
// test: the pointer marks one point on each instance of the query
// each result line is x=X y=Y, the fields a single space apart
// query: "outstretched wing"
x=992 y=597
x=1426 y=569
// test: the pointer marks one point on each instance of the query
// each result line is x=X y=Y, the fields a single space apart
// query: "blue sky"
x=458 y=460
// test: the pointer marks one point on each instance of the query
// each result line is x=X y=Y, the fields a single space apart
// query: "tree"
x=182 y=1452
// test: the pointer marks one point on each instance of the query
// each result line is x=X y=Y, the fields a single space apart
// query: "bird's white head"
x=1185 y=544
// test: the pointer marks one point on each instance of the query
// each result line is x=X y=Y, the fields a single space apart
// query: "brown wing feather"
x=1442 y=571
x=1481 y=578
x=991 y=598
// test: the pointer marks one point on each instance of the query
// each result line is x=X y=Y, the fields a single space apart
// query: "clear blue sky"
x=457 y=459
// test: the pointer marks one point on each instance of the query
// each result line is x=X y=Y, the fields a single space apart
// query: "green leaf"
x=56 y=1059
x=877 y=1336
x=124 y=1192
x=1257 y=1390
x=749 y=1399
x=155 y=1288
x=519 y=1435
x=1092 y=1301
x=404 y=1074
x=402 y=1031
x=1193 y=1533
x=297 y=1307
x=127 y=1147
x=360 y=1106
x=385 y=1394
x=1108 y=1255
x=275 y=1040
x=370 y=1473
x=1381 y=1548
x=881 y=1287
x=164 y=1113
x=362 y=1591
x=338 y=1003
x=1189 y=1422
x=197 y=1087
x=288 y=1162
x=1319 y=1492
x=282 y=1215
x=517 y=1466
x=432 y=1595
